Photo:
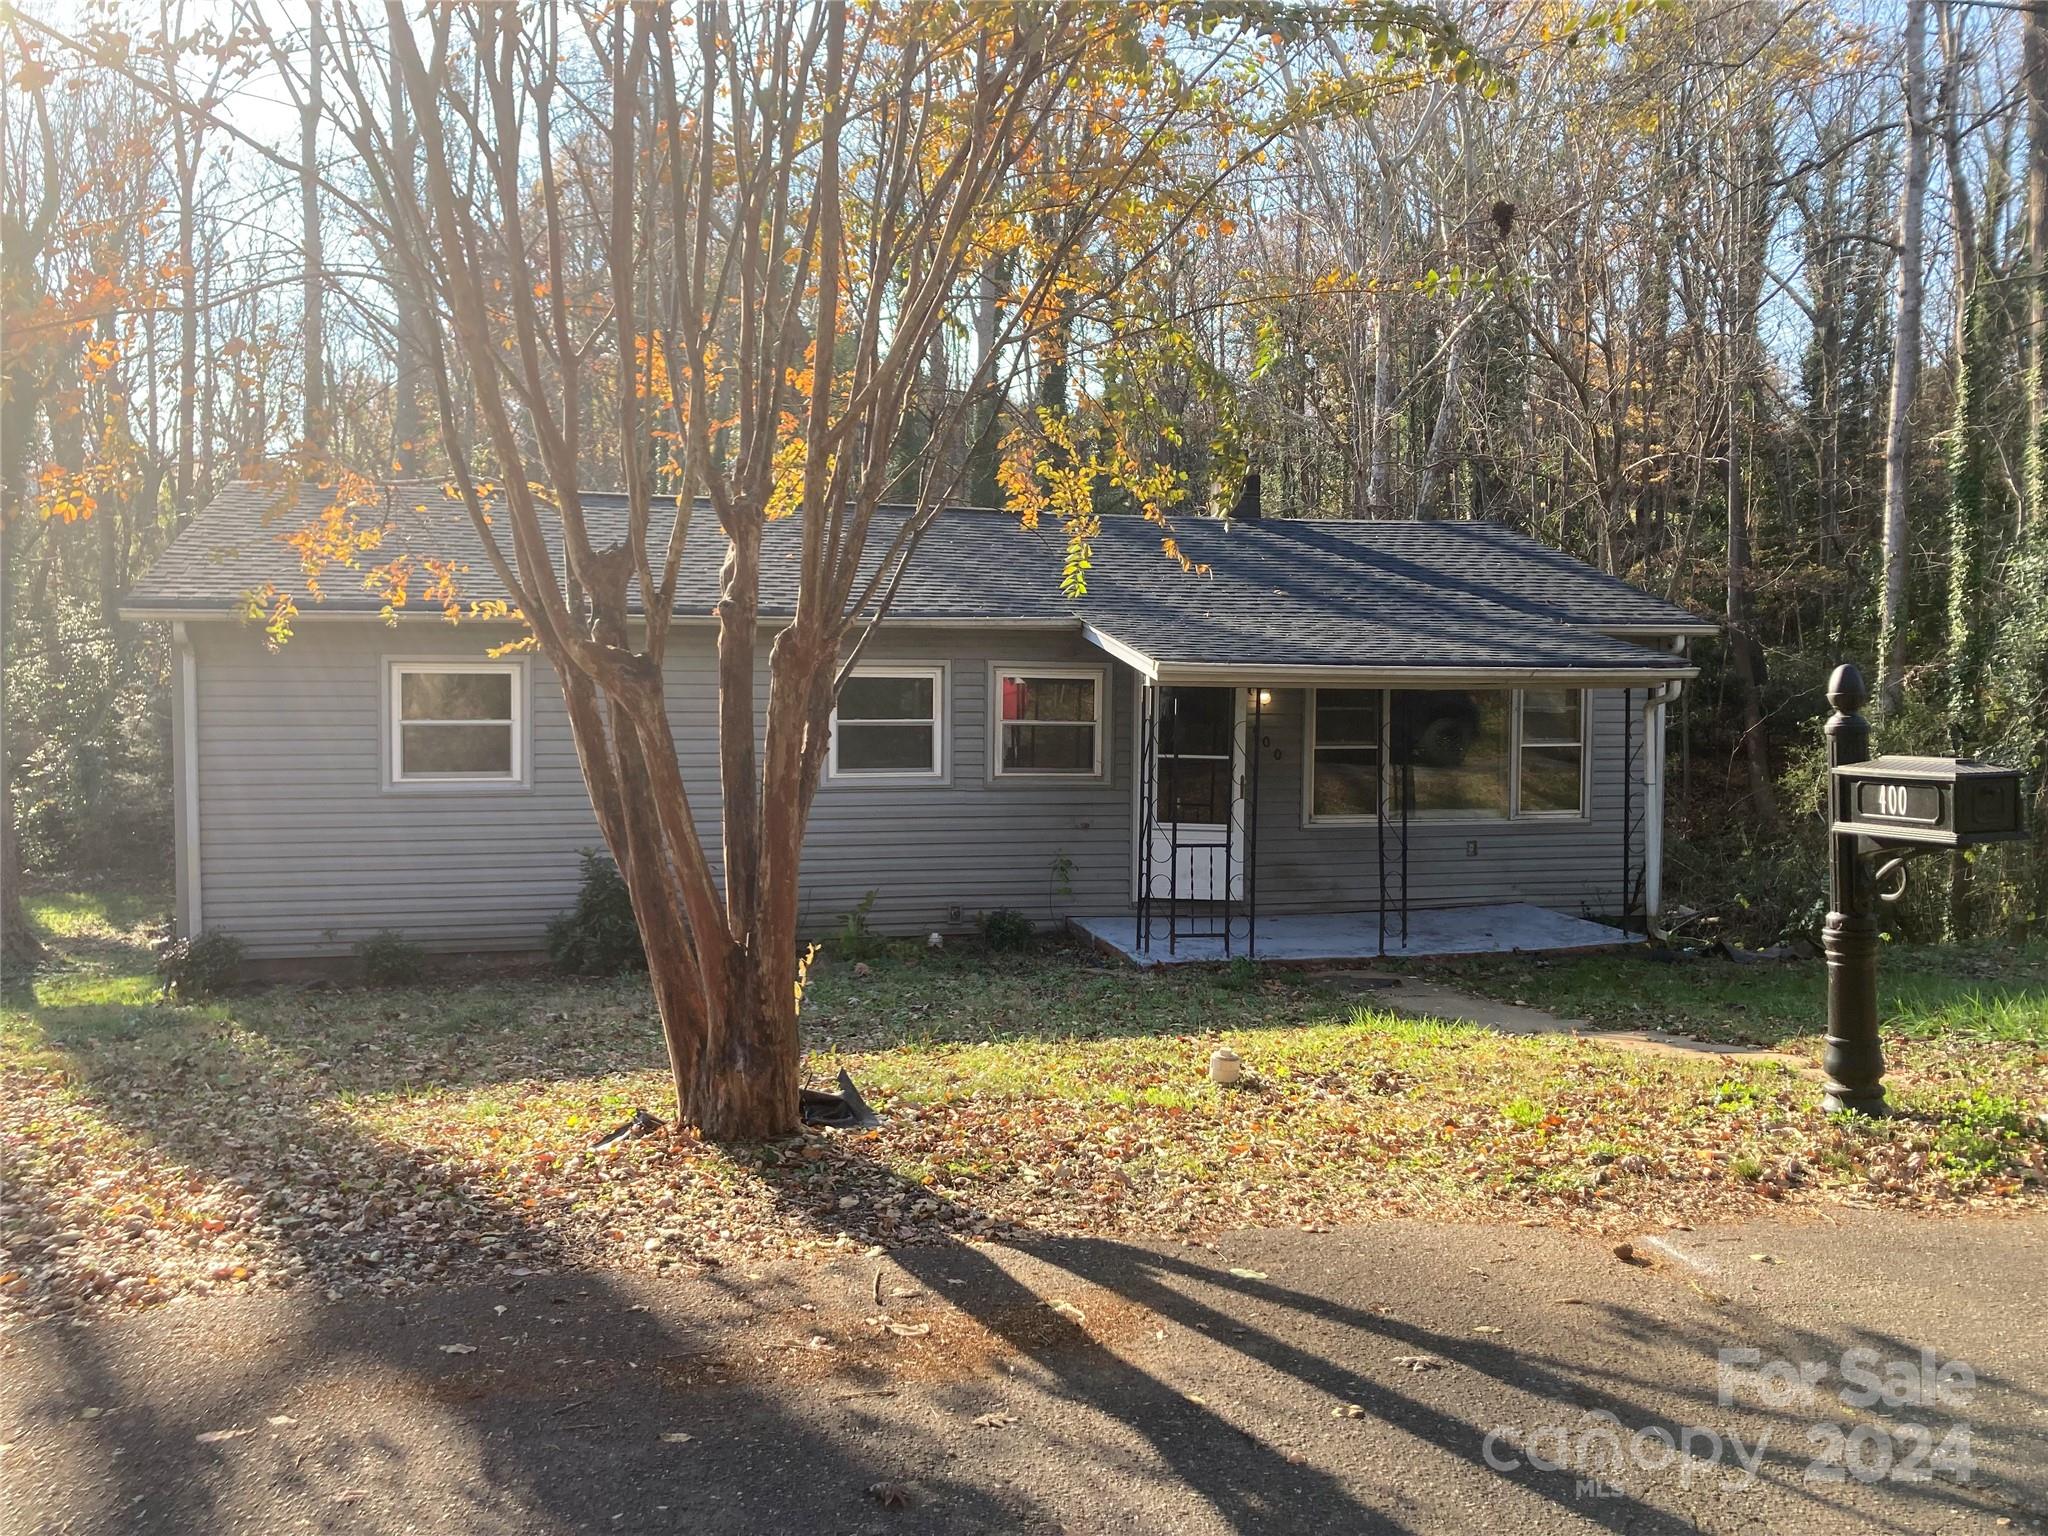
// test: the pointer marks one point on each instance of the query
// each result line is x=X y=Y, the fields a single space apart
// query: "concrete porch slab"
x=1338 y=936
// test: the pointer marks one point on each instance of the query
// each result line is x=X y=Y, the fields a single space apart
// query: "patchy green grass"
x=1952 y=1017
x=362 y=1138
x=1976 y=993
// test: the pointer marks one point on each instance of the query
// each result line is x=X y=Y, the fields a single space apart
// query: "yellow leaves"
x=439 y=585
x=336 y=537
x=1065 y=479
x=101 y=356
x=787 y=495
x=1190 y=567
x=274 y=609
x=72 y=496
x=70 y=508
x=803 y=974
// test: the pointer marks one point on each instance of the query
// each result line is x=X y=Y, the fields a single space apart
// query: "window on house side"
x=1049 y=722
x=455 y=724
x=890 y=724
x=1552 y=774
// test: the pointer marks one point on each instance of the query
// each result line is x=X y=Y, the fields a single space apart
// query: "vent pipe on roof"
x=1246 y=508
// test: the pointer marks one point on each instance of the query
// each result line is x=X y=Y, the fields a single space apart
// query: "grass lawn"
x=1944 y=1010
x=351 y=1138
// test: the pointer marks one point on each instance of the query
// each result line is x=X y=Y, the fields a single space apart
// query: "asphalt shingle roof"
x=1279 y=593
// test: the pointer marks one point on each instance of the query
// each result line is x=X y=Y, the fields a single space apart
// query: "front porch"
x=1326 y=937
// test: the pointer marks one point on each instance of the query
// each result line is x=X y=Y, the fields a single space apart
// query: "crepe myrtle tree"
x=756 y=219
x=702 y=256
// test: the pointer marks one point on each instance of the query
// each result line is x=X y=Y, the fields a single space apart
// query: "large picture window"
x=1048 y=722
x=1471 y=754
x=1553 y=753
x=1455 y=743
x=890 y=723
x=457 y=724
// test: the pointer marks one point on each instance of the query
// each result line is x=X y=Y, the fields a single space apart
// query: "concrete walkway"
x=1419 y=998
x=1392 y=1378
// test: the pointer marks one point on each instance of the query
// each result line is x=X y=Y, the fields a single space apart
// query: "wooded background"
x=1741 y=302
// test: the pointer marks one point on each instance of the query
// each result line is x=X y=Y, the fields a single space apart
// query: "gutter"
x=1240 y=674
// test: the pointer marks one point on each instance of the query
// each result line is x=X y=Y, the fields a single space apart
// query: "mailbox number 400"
x=1891 y=800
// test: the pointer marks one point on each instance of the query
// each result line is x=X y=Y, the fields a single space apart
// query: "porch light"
x=1261 y=696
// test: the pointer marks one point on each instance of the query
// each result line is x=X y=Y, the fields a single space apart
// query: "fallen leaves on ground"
x=360 y=1141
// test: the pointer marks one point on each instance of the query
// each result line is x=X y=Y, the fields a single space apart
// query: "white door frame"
x=1198 y=881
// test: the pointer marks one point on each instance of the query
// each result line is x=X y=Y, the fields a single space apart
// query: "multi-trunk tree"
x=707 y=257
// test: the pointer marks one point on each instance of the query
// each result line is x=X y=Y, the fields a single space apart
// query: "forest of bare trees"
x=1743 y=302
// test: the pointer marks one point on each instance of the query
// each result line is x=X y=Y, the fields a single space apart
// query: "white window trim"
x=997 y=671
x=1307 y=771
x=395 y=777
x=1584 y=744
x=1515 y=813
x=941 y=680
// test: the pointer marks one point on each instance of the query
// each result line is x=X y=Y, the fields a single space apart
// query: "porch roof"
x=1439 y=649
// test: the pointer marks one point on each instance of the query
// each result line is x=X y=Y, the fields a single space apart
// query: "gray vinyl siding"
x=302 y=849
x=1570 y=865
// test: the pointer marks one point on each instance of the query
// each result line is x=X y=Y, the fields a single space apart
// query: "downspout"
x=185 y=774
x=1655 y=704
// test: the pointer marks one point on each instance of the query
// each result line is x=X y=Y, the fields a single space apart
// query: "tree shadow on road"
x=497 y=1386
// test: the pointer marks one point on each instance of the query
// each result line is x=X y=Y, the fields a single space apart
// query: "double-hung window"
x=1344 y=752
x=1048 y=722
x=457 y=723
x=1552 y=759
x=890 y=723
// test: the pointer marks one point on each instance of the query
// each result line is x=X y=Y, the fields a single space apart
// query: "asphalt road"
x=1399 y=1377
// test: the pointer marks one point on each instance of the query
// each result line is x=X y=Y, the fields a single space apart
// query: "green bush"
x=855 y=942
x=388 y=959
x=1006 y=928
x=599 y=935
x=207 y=966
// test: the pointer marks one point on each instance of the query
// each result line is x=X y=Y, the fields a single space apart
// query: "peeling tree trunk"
x=1892 y=604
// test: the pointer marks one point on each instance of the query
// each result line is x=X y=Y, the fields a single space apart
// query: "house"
x=1370 y=722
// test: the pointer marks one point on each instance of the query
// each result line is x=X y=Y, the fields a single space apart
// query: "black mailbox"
x=1947 y=802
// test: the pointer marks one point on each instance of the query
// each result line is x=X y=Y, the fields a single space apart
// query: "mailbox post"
x=1853 y=1059
x=1883 y=812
